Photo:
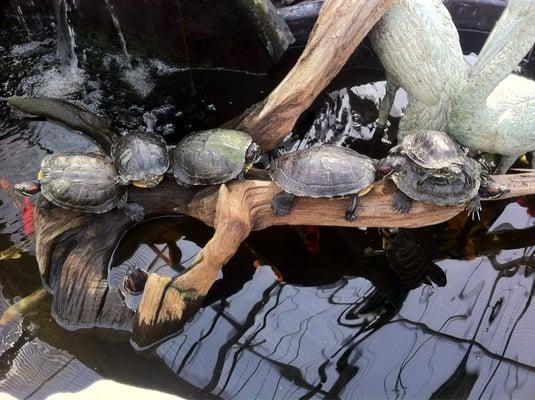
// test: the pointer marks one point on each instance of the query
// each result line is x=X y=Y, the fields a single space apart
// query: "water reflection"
x=351 y=327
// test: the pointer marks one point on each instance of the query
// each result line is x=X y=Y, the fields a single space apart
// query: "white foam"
x=139 y=79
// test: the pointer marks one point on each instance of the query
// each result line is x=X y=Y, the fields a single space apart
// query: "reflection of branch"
x=511 y=267
x=425 y=328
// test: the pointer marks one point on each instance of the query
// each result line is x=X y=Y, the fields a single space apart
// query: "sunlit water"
x=299 y=312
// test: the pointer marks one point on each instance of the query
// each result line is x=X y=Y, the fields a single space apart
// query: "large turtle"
x=429 y=166
x=213 y=156
x=321 y=171
x=85 y=182
x=141 y=158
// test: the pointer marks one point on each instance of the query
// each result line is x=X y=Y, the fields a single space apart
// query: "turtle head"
x=134 y=280
x=387 y=166
x=253 y=154
x=490 y=189
x=149 y=182
x=27 y=188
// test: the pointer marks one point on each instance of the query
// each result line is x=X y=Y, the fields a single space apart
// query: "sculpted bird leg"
x=386 y=103
x=504 y=164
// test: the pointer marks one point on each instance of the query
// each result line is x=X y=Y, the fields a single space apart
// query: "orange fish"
x=529 y=203
x=27 y=216
x=310 y=234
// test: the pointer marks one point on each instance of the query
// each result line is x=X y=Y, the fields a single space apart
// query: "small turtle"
x=321 y=171
x=213 y=156
x=431 y=149
x=141 y=158
x=457 y=179
x=81 y=181
x=134 y=280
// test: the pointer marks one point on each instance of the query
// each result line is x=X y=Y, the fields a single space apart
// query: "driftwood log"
x=339 y=29
x=74 y=249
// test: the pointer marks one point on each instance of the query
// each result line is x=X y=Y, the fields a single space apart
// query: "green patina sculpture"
x=419 y=48
x=490 y=110
x=494 y=111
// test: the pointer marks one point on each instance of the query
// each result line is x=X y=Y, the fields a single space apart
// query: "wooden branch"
x=339 y=29
x=270 y=26
x=74 y=249
x=244 y=206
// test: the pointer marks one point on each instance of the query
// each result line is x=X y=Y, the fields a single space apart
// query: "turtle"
x=457 y=179
x=86 y=182
x=212 y=157
x=322 y=172
x=431 y=149
x=134 y=280
x=141 y=158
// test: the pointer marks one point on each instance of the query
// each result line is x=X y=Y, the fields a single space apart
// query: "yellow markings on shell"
x=365 y=191
x=40 y=175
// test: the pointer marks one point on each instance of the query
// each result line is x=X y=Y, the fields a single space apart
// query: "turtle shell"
x=431 y=149
x=81 y=181
x=439 y=189
x=140 y=156
x=210 y=157
x=323 y=171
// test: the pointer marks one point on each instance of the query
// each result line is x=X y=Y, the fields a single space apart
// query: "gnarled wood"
x=74 y=249
x=339 y=29
x=244 y=206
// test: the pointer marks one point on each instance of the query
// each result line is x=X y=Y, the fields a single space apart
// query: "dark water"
x=301 y=312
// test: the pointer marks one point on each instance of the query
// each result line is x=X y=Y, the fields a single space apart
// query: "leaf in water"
x=7 y=187
x=11 y=253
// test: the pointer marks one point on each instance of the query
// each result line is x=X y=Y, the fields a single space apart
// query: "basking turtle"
x=321 y=171
x=141 y=158
x=457 y=179
x=431 y=149
x=213 y=156
x=81 y=181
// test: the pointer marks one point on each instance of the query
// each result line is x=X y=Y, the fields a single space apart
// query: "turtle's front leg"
x=282 y=203
x=351 y=210
x=401 y=202
x=474 y=208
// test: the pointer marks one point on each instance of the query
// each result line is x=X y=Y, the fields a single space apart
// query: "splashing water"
x=65 y=38
x=127 y=61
